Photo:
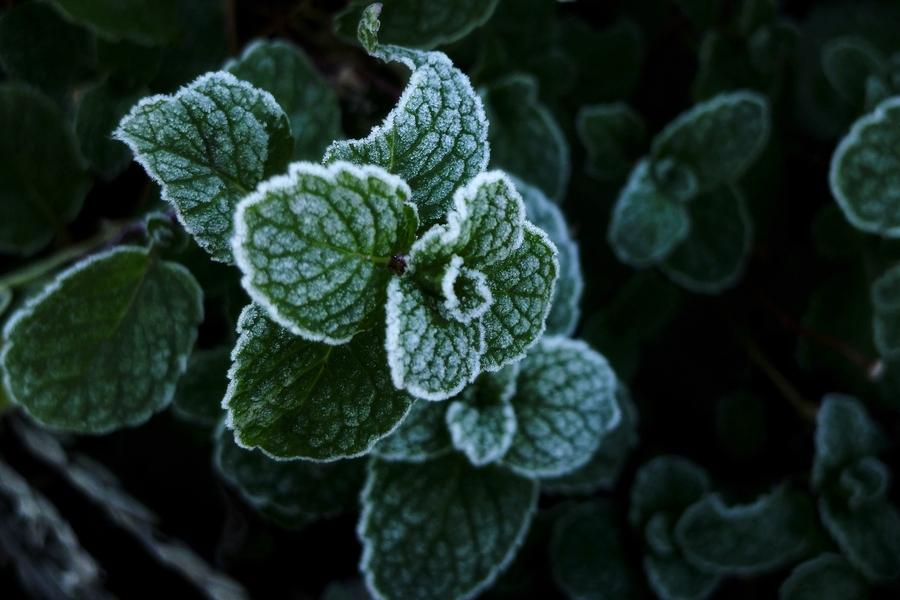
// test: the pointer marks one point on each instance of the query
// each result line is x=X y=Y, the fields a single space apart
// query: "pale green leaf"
x=314 y=246
x=198 y=398
x=103 y=345
x=422 y=435
x=293 y=398
x=284 y=71
x=525 y=138
x=614 y=137
x=865 y=171
x=844 y=435
x=482 y=422
x=825 y=577
x=869 y=537
x=209 y=145
x=150 y=22
x=100 y=108
x=442 y=529
x=42 y=179
x=564 y=403
x=436 y=136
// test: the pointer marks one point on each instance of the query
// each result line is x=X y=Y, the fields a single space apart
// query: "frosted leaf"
x=314 y=246
x=442 y=529
x=198 y=398
x=844 y=435
x=825 y=577
x=103 y=345
x=865 y=171
x=436 y=136
x=482 y=422
x=293 y=398
x=848 y=62
x=525 y=138
x=747 y=539
x=564 y=308
x=283 y=70
x=614 y=137
x=209 y=145
x=869 y=537
x=718 y=139
x=146 y=22
x=420 y=23
x=646 y=225
x=885 y=294
x=565 y=403
x=713 y=256
x=603 y=470
x=422 y=435
x=42 y=179
x=297 y=490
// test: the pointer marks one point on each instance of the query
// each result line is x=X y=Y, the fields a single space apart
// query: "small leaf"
x=844 y=434
x=314 y=246
x=420 y=23
x=712 y=257
x=284 y=71
x=208 y=146
x=42 y=179
x=421 y=436
x=100 y=108
x=869 y=537
x=198 y=398
x=102 y=346
x=667 y=484
x=436 y=136
x=564 y=403
x=717 y=139
x=864 y=171
x=482 y=422
x=848 y=61
x=149 y=22
x=646 y=226
x=614 y=137
x=293 y=398
x=885 y=292
x=298 y=490
x=672 y=578
x=746 y=539
x=825 y=577
x=525 y=138
x=418 y=519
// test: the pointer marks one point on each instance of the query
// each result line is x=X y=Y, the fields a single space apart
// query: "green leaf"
x=565 y=403
x=100 y=108
x=42 y=178
x=646 y=225
x=525 y=138
x=149 y=22
x=712 y=257
x=587 y=554
x=102 y=346
x=885 y=292
x=436 y=136
x=869 y=537
x=420 y=23
x=825 y=577
x=864 y=171
x=565 y=306
x=294 y=491
x=284 y=71
x=848 y=62
x=603 y=470
x=208 y=146
x=314 y=246
x=482 y=422
x=64 y=57
x=442 y=529
x=717 y=140
x=293 y=398
x=844 y=435
x=614 y=137
x=746 y=539
x=671 y=578
x=668 y=485
x=421 y=436
x=198 y=398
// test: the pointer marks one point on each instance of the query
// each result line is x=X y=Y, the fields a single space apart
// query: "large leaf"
x=441 y=529
x=208 y=146
x=315 y=244
x=293 y=398
x=103 y=345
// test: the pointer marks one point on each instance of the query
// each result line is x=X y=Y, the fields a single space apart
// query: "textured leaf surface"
x=293 y=398
x=42 y=179
x=482 y=422
x=614 y=137
x=565 y=403
x=286 y=72
x=844 y=435
x=865 y=171
x=102 y=346
x=422 y=435
x=143 y=21
x=646 y=225
x=419 y=519
x=99 y=111
x=198 y=398
x=525 y=138
x=712 y=257
x=436 y=136
x=825 y=577
x=717 y=139
x=208 y=146
x=314 y=246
